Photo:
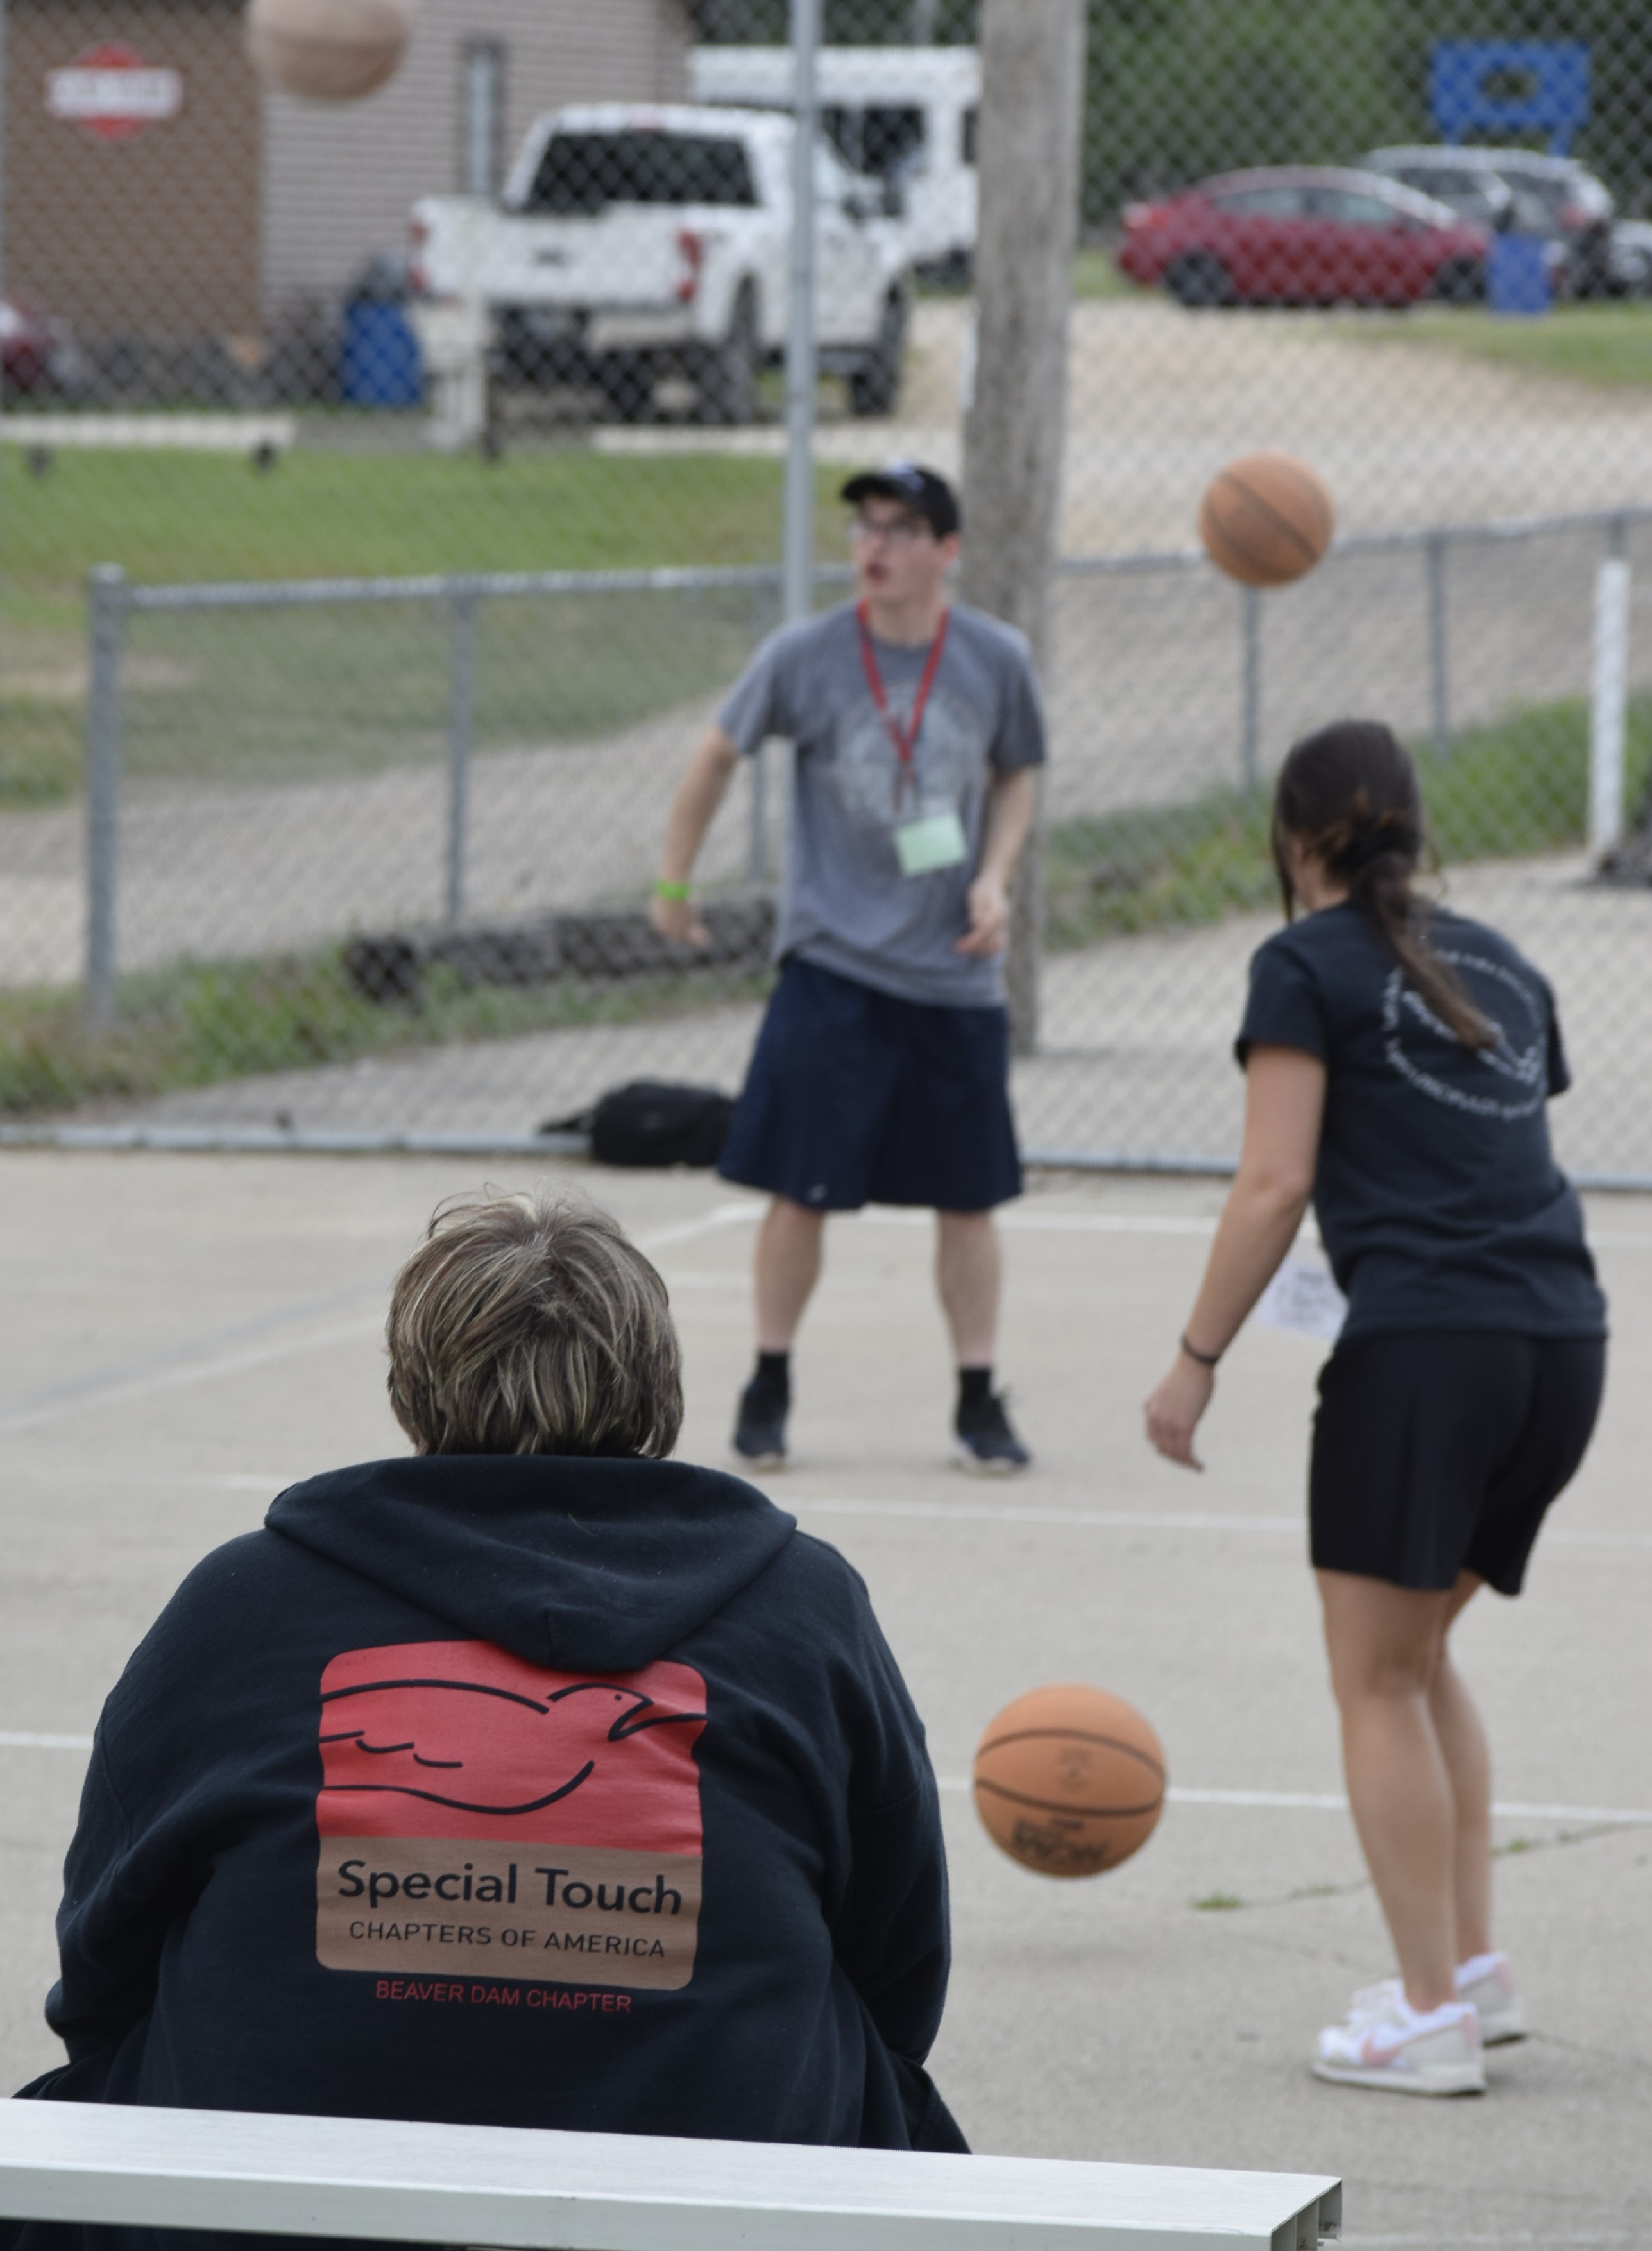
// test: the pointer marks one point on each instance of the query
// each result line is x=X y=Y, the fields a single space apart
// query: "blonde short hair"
x=531 y=1325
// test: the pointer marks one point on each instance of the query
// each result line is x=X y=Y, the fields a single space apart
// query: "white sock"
x=1480 y=1965
x=1414 y=2020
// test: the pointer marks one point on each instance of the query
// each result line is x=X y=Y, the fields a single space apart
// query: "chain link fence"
x=389 y=489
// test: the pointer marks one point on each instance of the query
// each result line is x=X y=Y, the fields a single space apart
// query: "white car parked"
x=633 y=243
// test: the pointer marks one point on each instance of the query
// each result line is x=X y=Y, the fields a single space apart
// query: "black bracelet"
x=1205 y=1359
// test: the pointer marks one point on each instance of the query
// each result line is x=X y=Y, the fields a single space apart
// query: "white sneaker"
x=1383 y=2042
x=1488 y=1984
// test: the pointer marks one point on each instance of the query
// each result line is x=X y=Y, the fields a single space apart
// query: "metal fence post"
x=105 y=633
x=1439 y=656
x=1250 y=741
x=461 y=718
x=1608 y=707
x=802 y=357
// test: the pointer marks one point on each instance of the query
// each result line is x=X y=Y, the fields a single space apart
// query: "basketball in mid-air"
x=1070 y=1780
x=328 y=50
x=1266 y=519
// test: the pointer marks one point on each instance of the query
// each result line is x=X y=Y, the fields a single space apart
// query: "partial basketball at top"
x=328 y=50
x=1070 y=1780
x=1266 y=519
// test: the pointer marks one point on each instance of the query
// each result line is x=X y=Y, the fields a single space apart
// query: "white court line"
x=1128 y=1520
x=114 y=1387
x=1275 y=1801
x=200 y=1371
x=1103 y=1519
x=1304 y=1801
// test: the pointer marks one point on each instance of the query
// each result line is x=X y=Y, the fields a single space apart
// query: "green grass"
x=1608 y=344
x=327 y=513
x=266 y=694
x=1095 y=275
x=1506 y=791
x=206 y=1022
x=1217 y=1903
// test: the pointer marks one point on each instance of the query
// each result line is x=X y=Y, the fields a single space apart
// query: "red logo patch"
x=473 y=1805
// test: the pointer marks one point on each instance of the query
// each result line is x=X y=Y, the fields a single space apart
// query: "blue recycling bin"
x=1518 y=280
x=380 y=360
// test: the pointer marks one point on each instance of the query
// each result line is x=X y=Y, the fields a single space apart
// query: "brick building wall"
x=155 y=236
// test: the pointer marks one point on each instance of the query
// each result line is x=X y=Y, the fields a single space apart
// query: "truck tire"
x=874 y=386
x=728 y=382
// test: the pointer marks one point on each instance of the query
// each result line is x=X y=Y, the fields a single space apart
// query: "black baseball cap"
x=924 y=491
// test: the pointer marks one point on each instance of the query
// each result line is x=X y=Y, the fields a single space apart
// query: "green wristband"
x=669 y=890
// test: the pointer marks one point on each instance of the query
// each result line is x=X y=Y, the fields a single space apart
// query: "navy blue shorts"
x=854 y=1097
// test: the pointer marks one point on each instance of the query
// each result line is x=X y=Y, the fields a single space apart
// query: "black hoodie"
x=518 y=1790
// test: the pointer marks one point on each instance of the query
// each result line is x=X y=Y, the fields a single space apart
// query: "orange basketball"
x=328 y=50
x=1070 y=1780
x=1266 y=519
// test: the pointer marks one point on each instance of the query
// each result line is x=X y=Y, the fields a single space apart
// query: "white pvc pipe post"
x=802 y=365
x=1608 y=717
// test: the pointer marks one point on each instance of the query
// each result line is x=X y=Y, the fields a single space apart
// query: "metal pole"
x=1438 y=653
x=802 y=366
x=1608 y=707
x=3 y=159
x=1250 y=756
x=461 y=714
x=106 y=622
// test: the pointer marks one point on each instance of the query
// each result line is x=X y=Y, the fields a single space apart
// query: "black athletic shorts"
x=855 y=1097
x=1438 y=1453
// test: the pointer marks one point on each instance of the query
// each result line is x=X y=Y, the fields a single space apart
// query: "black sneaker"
x=760 y=1430
x=984 y=1443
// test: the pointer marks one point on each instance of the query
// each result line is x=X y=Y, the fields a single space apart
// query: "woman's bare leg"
x=1385 y=1645
x=1468 y=1756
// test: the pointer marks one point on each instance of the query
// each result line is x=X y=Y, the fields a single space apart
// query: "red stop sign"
x=113 y=93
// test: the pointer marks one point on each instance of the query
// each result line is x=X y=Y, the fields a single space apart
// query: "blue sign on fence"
x=1545 y=89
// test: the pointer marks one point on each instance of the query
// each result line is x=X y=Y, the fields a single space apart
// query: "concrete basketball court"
x=182 y=1336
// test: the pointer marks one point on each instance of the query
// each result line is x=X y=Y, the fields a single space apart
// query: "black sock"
x=975 y=1388
x=771 y=1385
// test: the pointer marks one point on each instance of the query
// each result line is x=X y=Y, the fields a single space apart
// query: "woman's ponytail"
x=1349 y=796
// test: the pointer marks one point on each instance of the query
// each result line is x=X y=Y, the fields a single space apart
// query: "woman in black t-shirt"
x=1397 y=1060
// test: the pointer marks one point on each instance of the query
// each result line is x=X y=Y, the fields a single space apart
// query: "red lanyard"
x=905 y=741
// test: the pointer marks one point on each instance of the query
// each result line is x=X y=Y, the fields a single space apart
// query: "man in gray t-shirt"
x=882 y=1070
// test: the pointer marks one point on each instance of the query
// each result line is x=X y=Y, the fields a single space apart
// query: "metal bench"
x=257 y=2174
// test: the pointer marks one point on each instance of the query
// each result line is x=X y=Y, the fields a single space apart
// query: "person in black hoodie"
x=532 y=1780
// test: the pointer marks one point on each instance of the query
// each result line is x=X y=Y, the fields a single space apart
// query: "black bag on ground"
x=654 y=1121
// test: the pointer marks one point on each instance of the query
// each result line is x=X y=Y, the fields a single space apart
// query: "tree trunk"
x=1032 y=92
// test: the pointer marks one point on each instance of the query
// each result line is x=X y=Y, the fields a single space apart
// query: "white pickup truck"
x=632 y=243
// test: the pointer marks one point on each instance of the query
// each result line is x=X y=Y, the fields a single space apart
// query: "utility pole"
x=1031 y=104
x=802 y=363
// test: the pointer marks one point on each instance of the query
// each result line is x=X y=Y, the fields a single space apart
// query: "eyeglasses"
x=900 y=529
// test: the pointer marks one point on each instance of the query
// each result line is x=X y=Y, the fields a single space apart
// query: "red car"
x=1305 y=237
x=31 y=350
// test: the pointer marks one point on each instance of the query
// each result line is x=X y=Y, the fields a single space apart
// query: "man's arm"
x=693 y=808
x=1010 y=802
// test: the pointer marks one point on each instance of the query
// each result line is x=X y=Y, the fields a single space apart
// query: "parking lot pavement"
x=182 y=1336
x=1158 y=399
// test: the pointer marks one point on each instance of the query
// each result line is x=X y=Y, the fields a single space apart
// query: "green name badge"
x=936 y=840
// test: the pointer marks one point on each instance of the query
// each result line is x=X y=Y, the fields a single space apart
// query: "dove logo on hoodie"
x=479 y=1814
